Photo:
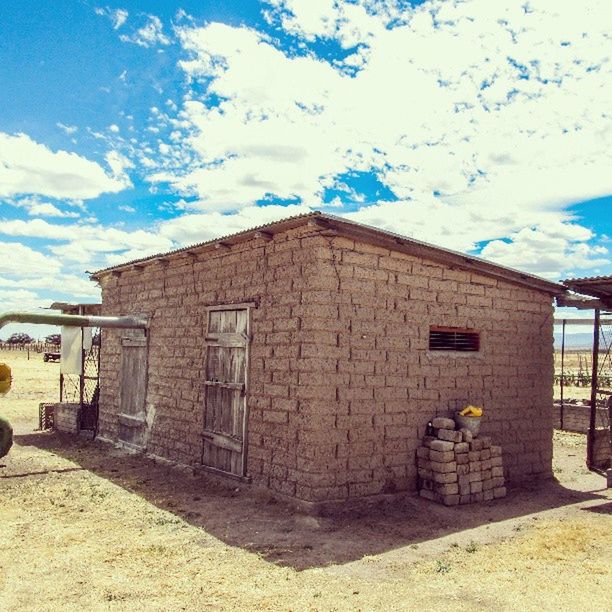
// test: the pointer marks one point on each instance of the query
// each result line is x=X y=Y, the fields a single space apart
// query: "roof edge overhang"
x=599 y=287
x=354 y=230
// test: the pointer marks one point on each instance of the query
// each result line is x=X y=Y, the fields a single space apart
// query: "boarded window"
x=453 y=339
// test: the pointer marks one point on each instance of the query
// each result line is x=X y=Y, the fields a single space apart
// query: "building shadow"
x=600 y=508
x=240 y=517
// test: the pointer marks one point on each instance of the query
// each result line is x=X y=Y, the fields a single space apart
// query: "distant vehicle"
x=51 y=357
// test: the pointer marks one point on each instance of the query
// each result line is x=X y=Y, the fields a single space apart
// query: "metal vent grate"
x=453 y=339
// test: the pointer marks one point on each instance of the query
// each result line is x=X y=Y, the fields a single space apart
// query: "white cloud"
x=193 y=228
x=46 y=209
x=18 y=259
x=349 y=23
x=545 y=252
x=117 y=16
x=37 y=207
x=16 y=295
x=27 y=167
x=114 y=128
x=69 y=129
x=71 y=284
x=150 y=35
x=30 y=279
x=483 y=118
x=88 y=243
x=119 y=164
x=20 y=300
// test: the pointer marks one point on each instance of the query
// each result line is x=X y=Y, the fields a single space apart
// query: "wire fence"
x=33 y=347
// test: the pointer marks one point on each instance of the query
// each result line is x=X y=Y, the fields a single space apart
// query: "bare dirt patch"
x=85 y=526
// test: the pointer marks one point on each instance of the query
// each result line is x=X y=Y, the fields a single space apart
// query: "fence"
x=576 y=416
x=33 y=347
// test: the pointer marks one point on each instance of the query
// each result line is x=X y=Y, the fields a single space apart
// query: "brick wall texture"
x=577 y=417
x=341 y=381
x=66 y=417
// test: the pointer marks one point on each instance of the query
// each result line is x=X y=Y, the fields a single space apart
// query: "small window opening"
x=453 y=339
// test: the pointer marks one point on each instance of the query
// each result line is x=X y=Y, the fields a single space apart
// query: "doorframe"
x=248 y=306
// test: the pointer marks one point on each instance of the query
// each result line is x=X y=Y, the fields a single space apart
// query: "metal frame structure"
x=599 y=292
x=80 y=315
x=599 y=366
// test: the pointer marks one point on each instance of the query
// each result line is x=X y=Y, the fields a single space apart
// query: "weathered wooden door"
x=225 y=418
x=132 y=417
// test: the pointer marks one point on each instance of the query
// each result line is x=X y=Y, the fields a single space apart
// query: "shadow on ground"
x=272 y=529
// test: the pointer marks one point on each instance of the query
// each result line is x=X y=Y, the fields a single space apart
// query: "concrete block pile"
x=456 y=468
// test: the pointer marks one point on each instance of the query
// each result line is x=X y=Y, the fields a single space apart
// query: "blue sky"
x=129 y=128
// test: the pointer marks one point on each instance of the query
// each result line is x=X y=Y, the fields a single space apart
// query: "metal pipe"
x=124 y=322
x=562 y=414
x=594 y=385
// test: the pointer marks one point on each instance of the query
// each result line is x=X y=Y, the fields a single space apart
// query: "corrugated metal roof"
x=366 y=233
x=198 y=245
x=595 y=286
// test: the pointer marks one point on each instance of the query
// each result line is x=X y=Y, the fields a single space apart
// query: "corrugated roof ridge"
x=522 y=277
x=434 y=247
x=197 y=245
x=581 y=279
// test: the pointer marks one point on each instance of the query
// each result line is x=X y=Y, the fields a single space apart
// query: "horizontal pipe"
x=589 y=322
x=125 y=322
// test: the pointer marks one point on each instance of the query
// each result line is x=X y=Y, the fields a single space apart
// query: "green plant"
x=472 y=547
x=442 y=567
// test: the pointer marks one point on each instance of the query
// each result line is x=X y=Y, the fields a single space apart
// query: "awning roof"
x=598 y=288
x=84 y=309
x=595 y=286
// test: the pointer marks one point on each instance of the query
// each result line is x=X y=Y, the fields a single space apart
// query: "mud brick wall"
x=577 y=417
x=341 y=382
x=284 y=367
x=66 y=417
x=372 y=309
x=602 y=449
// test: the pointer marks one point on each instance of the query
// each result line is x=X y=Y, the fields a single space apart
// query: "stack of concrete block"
x=456 y=468
x=67 y=417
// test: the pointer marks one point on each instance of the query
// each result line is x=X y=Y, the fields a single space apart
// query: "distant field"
x=577 y=372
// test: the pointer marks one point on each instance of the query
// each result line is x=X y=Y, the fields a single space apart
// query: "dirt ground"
x=85 y=526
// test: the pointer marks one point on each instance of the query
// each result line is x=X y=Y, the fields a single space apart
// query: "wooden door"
x=132 y=421
x=225 y=418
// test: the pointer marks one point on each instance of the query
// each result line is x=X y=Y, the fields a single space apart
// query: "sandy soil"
x=85 y=526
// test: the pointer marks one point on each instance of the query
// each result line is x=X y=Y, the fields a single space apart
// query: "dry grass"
x=85 y=528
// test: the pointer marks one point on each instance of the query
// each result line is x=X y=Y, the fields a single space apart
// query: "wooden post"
x=81 y=375
x=561 y=414
x=594 y=384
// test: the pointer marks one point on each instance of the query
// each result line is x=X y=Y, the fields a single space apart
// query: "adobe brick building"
x=307 y=356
